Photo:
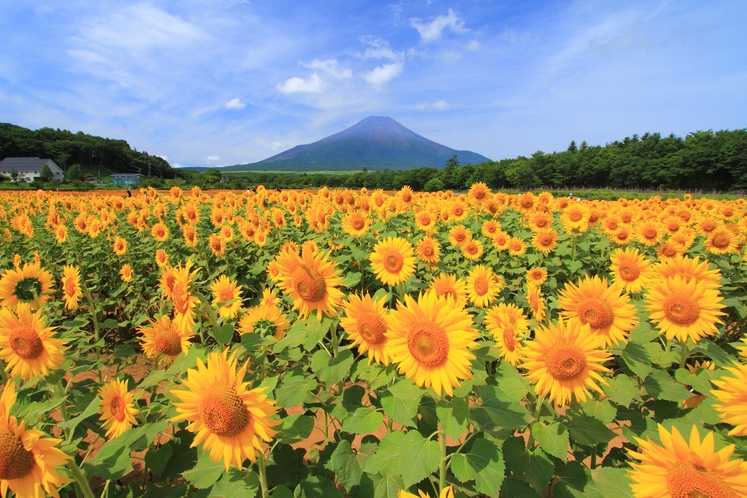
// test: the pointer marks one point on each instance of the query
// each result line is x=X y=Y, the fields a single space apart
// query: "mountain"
x=376 y=143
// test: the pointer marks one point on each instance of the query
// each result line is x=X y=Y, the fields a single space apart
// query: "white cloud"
x=235 y=103
x=211 y=159
x=439 y=105
x=384 y=74
x=329 y=66
x=432 y=31
x=378 y=48
x=313 y=84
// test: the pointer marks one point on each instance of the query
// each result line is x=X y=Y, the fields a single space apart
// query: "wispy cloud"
x=439 y=105
x=378 y=48
x=329 y=66
x=383 y=74
x=234 y=103
x=312 y=84
x=212 y=158
x=432 y=31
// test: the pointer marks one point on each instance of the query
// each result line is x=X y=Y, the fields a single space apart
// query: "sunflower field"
x=340 y=343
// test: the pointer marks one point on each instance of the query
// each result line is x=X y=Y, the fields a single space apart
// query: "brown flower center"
x=223 y=412
x=649 y=233
x=681 y=310
x=481 y=286
x=472 y=248
x=15 y=460
x=167 y=342
x=508 y=338
x=393 y=262
x=565 y=361
x=70 y=287
x=226 y=295
x=685 y=480
x=358 y=223
x=117 y=408
x=596 y=312
x=575 y=216
x=629 y=271
x=309 y=284
x=721 y=241
x=427 y=250
x=26 y=342
x=371 y=327
x=428 y=344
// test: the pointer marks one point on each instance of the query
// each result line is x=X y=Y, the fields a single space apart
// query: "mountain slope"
x=375 y=143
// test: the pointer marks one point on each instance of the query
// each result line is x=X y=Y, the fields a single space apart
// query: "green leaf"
x=720 y=357
x=553 y=438
x=612 y=482
x=352 y=399
x=157 y=458
x=660 y=385
x=603 y=410
x=91 y=409
x=363 y=421
x=293 y=389
x=317 y=487
x=236 y=483
x=351 y=279
x=295 y=428
x=331 y=370
x=386 y=459
x=700 y=381
x=454 y=416
x=293 y=337
x=515 y=488
x=205 y=473
x=483 y=464
x=387 y=486
x=315 y=331
x=348 y=464
x=588 y=431
x=621 y=390
x=222 y=334
x=533 y=467
x=252 y=342
x=418 y=458
x=400 y=402
x=112 y=461
x=109 y=323
x=504 y=411
x=574 y=481
x=510 y=381
x=637 y=358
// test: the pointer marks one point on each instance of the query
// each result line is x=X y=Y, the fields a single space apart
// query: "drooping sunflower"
x=604 y=307
x=483 y=286
x=684 y=309
x=224 y=291
x=428 y=250
x=27 y=458
x=164 y=338
x=545 y=240
x=392 y=260
x=125 y=273
x=564 y=360
x=731 y=397
x=366 y=323
x=231 y=421
x=30 y=284
x=120 y=246
x=448 y=284
x=71 y=291
x=27 y=345
x=678 y=469
x=430 y=339
x=630 y=268
x=265 y=319
x=311 y=281
x=117 y=408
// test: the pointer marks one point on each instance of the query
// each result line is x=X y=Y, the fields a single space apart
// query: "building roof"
x=23 y=163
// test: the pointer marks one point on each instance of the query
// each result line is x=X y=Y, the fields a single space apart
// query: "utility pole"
x=148 y=168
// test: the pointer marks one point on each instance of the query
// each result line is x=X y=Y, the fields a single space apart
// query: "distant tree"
x=212 y=175
x=14 y=175
x=434 y=185
x=73 y=173
x=452 y=162
x=46 y=174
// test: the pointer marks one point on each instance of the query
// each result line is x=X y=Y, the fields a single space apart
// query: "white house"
x=28 y=168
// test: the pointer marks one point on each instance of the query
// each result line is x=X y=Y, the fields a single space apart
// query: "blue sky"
x=222 y=82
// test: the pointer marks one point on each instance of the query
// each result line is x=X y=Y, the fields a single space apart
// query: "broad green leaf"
x=293 y=389
x=483 y=463
x=700 y=381
x=603 y=410
x=315 y=331
x=352 y=399
x=223 y=334
x=236 y=483
x=317 y=487
x=553 y=438
x=351 y=279
x=622 y=390
x=637 y=358
x=533 y=467
x=294 y=336
x=418 y=458
x=660 y=385
x=511 y=382
x=386 y=459
x=574 y=481
x=514 y=488
x=348 y=464
x=157 y=458
x=90 y=410
x=331 y=370
x=612 y=482
x=506 y=412
x=363 y=421
x=205 y=473
x=295 y=428
x=400 y=402
x=588 y=431
x=454 y=416
x=387 y=486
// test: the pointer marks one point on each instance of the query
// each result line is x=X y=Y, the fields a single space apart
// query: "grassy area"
x=326 y=172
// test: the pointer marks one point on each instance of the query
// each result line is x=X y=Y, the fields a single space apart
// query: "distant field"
x=295 y=172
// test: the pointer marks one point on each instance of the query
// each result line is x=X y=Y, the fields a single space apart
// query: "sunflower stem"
x=263 y=475
x=80 y=479
x=683 y=357
x=442 y=466
x=335 y=340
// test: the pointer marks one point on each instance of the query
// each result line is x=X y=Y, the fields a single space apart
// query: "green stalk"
x=80 y=479
x=442 y=465
x=683 y=357
x=263 y=475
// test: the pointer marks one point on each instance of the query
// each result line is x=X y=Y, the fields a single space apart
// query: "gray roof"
x=23 y=163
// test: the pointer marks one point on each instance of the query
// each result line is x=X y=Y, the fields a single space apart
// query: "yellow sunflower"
x=684 y=309
x=190 y=236
x=630 y=268
x=721 y=241
x=483 y=286
x=31 y=284
x=120 y=246
x=265 y=319
x=545 y=240
x=217 y=244
x=311 y=281
x=608 y=312
x=183 y=300
x=731 y=399
x=27 y=458
x=689 y=268
x=224 y=291
x=125 y=272
x=167 y=280
x=449 y=284
x=160 y=232
x=117 y=408
x=500 y=240
x=564 y=360
x=71 y=292
x=60 y=234
x=472 y=250
x=507 y=324
x=231 y=421
x=428 y=250
x=430 y=340
x=459 y=235
x=537 y=276
x=162 y=258
x=366 y=323
x=27 y=345
x=356 y=223
x=681 y=470
x=164 y=337
x=650 y=232
x=392 y=260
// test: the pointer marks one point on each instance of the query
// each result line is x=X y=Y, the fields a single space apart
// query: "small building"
x=126 y=178
x=29 y=168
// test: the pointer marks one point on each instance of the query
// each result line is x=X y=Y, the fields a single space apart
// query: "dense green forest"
x=703 y=160
x=89 y=152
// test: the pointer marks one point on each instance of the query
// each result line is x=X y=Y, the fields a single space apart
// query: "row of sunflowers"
x=356 y=343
